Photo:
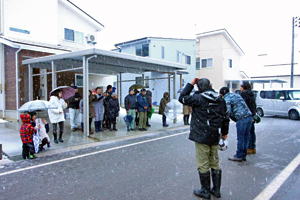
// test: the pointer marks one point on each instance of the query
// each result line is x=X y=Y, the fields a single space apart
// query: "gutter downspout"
x=2 y=18
x=3 y=80
x=17 y=81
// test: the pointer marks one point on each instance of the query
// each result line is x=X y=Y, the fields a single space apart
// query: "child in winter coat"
x=43 y=129
x=26 y=134
x=113 y=109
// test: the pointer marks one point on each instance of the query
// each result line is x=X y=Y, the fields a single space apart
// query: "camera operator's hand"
x=194 y=81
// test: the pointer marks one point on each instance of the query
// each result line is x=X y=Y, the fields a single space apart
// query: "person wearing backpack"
x=208 y=115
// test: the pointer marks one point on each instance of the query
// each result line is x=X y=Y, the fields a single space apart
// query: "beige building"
x=218 y=59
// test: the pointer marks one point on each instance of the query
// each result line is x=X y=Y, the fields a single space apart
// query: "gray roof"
x=149 y=38
x=106 y=62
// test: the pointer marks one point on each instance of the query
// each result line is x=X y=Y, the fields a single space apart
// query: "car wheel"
x=260 y=112
x=294 y=115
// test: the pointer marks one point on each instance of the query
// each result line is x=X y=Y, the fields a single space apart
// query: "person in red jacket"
x=26 y=134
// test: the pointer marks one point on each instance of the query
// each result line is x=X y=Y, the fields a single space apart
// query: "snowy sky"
x=259 y=27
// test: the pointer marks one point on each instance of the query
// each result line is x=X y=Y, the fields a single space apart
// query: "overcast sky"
x=259 y=27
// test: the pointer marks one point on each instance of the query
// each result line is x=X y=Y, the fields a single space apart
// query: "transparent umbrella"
x=173 y=109
x=36 y=105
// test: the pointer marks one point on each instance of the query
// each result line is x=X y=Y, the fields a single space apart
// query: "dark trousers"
x=28 y=148
x=164 y=119
x=90 y=123
x=112 y=121
x=252 y=138
x=61 y=127
x=44 y=142
x=148 y=115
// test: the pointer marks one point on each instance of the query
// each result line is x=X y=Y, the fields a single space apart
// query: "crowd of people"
x=104 y=109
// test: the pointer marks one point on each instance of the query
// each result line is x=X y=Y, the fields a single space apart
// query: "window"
x=79 y=80
x=267 y=94
x=69 y=34
x=280 y=95
x=75 y=36
x=197 y=63
x=142 y=50
x=294 y=95
x=147 y=82
x=79 y=37
x=230 y=63
x=138 y=80
x=177 y=56
x=162 y=52
x=19 y=30
x=188 y=60
x=206 y=63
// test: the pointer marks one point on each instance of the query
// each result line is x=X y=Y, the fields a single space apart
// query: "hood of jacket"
x=149 y=93
x=165 y=95
x=210 y=94
x=25 y=118
x=249 y=93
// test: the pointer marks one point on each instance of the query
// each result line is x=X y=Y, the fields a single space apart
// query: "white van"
x=282 y=102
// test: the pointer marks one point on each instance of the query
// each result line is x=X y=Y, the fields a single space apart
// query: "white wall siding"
x=37 y=17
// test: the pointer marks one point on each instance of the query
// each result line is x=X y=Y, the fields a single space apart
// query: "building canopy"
x=104 y=62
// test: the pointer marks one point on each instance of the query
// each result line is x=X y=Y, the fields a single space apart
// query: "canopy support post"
x=30 y=93
x=174 y=96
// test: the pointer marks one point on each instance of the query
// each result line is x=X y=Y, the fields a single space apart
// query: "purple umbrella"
x=67 y=91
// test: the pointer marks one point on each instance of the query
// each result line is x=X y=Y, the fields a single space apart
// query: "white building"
x=35 y=28
x=218 y=59
x=169 y=49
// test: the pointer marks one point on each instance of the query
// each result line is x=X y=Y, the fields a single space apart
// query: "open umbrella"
x=136 y=86
x=173 y=109
x=36 y=105
x=67 y=91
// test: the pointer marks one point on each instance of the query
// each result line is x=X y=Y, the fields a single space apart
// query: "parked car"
x=280 y=102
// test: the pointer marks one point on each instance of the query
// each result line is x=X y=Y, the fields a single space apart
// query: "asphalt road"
x=160 y=166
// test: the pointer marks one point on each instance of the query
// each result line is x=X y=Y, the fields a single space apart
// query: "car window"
x=294 y=94
x=280 y=95
x=271 y=94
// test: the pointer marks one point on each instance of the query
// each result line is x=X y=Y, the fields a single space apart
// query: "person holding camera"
x=208 y=115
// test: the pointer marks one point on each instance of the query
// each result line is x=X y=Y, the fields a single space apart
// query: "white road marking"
x=89 y=154
x=273 y=187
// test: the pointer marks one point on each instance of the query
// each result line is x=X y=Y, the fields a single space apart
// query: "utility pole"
x=296 y=22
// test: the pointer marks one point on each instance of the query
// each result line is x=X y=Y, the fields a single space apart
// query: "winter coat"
x=74 y=103
x=130 y=102
x=249 y=98
x=54 y=114
x=208 y=115
x=236 y=106
x=43 y=130
x=142 y=102
x=163 y=103
x=26 y=130
x=92 y=99
x=149 y=99
x=186 y=110
x=99 y=107
x=113 y=108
